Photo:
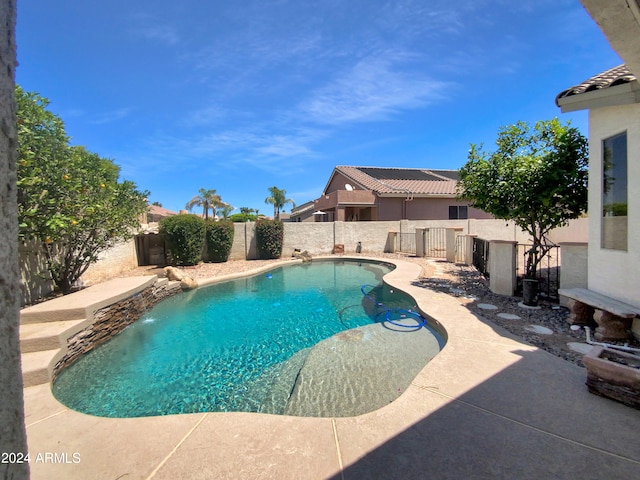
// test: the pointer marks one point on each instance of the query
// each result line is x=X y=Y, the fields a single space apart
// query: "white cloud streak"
x=162 y=34
x=374 y=89
x=109 y=117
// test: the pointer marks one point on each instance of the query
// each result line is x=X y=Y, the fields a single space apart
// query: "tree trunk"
x=13 y=437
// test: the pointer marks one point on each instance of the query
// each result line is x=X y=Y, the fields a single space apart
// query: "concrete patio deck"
x=487 y=406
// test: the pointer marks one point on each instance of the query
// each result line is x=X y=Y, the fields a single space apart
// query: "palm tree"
x=278 y=199
x=225 y=209
x=208 y=200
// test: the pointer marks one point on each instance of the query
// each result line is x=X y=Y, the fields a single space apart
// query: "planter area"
x=614 y=374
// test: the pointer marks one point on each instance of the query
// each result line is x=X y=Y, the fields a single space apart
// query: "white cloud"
x=284 y=146
x=147 y=26
x=109 y=117
x=162 y=33
x=259 y=146
x=204 y=116
x=374 y=89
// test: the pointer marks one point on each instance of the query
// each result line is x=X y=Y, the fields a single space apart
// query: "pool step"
x=37 y=337
x=35 y=367
x=82 y=304
x=45 y=327
x=40 y=343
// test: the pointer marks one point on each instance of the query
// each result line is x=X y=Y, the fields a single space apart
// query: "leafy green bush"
x=242 y=217
x=70 y=200
x=219 y=239
x=269 y=236
x=185 y=237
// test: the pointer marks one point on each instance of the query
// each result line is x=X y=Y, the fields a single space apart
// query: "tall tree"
x=13 y=437
x=70 y=201
x=537 y=178
x=225 y=209
x=278 y=199
x=208 y=200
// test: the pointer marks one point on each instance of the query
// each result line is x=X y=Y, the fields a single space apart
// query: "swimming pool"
x=241 y=345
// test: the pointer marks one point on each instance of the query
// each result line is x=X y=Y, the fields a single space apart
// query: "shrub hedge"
x=219 y=239
x=269 y=238
x=184 y=234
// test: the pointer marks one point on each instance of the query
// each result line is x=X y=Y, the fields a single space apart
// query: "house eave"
x=625 y=94
x=414 y=195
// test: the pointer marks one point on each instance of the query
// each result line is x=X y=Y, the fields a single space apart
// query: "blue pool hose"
x=386 y=311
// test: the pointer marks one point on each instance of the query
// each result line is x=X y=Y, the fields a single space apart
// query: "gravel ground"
x=461 y=281
x=472 y=289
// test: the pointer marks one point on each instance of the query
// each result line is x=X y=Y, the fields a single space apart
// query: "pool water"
x=225 y=347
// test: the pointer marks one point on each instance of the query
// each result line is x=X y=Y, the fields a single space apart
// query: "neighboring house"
x=613 y=101
x=155 y=213
x=377 y=193
x=302 y=213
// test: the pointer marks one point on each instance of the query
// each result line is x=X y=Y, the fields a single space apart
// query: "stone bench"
x=612 y=317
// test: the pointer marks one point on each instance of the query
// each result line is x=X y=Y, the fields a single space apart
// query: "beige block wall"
x=319 y=238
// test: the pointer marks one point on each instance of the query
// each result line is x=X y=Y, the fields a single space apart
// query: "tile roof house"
x=156 y=213
x=598 y=91
x=613 y=101
x=380 y=193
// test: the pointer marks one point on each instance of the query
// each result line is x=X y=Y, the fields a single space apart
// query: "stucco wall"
x=36 y=283
x=112 y=262
x=339 y=181
x=419 y=208
x=12 y=425
x=390 y=208
x=614 y=272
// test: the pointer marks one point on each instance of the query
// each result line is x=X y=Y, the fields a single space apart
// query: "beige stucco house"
x=378 y=193
x=613 y=101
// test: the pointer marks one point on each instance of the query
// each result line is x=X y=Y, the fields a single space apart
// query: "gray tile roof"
x=612 y=77
x=416 y=181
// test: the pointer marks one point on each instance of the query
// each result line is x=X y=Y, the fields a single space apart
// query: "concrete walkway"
x=487 y=406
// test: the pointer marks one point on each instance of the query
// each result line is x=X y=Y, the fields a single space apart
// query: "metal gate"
x=481 y=256
x=547 y=274
x=436 y=244
x=407 y=242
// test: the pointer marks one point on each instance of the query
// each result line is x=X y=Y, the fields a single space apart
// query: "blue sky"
x=241 y=96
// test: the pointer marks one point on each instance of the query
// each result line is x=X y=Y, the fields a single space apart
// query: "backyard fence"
x=436 y=245
x=547 y=273
x=432 y=243
x=407 y=242
x=481 y=256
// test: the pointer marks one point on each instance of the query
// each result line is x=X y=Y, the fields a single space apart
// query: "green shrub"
x=269 y=237
x=185 y=237
x=242 y=217
x=219 y=239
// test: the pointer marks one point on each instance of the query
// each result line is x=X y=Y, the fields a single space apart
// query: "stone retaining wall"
x=109 y=321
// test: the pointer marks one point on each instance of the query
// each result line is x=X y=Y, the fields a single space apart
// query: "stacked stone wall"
x=111 y=320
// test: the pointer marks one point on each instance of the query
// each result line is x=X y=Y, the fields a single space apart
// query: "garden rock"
x=188 y=283
x=173 y=274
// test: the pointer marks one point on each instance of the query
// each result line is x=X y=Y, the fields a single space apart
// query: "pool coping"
x=483 y=374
